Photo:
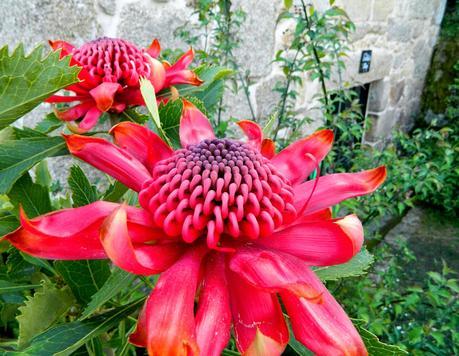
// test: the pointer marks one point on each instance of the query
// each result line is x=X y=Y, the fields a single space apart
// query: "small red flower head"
x=109 y=78
x=231 y=226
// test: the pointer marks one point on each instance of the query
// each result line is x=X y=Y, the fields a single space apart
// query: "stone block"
x=107 y=6
x=378 y=96
x=358 y=10
x=141 y=22
x=421 y=9
x=265 y=98
x=256 y=50
x=382 y=9
x=398 y=30
x=34 y=22
x=396 y=92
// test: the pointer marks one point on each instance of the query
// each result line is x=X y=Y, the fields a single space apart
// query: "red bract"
x=109 y=78
x=230 y=225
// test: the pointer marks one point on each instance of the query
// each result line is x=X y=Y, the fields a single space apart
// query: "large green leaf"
x=373 y=345
x=18 y=156
x=355 y=267
x=8 y=224
x=170 y=114
x=117 y=281
x=9 y=287
x=33 y=197
x=64 y=339
x=25 y=81
x=84 y=277
x=42 y=310
x=83 y=193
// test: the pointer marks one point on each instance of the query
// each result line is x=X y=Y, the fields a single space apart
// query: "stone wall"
x=401 y=34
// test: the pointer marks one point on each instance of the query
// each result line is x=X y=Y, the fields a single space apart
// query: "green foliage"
x=42 y=310
x=84 y=277
x=25 y=81
x=118 y=281
x=9 y=287
x=374 y=346
x=19 y=155
x=421 y=318
x=357 y=266
x=83 y=193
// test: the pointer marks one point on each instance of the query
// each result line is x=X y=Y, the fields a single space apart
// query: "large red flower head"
x=109 y=78
x=231 y=225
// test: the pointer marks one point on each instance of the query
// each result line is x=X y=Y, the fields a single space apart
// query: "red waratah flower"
x=109 y=78
x=230 y=225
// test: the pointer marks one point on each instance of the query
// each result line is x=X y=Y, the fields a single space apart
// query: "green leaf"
x=42 y=175
x=25 y=81
x=373 y=345
x=8 y=224
x=115 y=192
x=64 y=339
x=18 y=156
x=131 y=114
x=42 y=310
x=83 y=193
x=49 y=124
x=170 y=114
x=288 y=4
x=117 y=281
x=9 y=287
x=84 y=277
x=33 y=197
x=38 y=262
x=355 y=267
x=149 y=96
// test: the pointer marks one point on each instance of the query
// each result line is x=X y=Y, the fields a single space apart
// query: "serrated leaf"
x=373 y=345
x=42 y=310
x=25 y=81
x=38 y=262
x=64 y=339
x=42 y=175
x=85 y=277
x=115 y=192
x=49 y=124
x=355 y=267
x=131 y=114
x=33 y=197
x=117 y=281
x=83 y=193
x=10 y=287
x=170 y=114
x=18 y=156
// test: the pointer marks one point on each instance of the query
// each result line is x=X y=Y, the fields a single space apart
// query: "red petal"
x=75 y=112
x=141 y=142
x=194 y=125
x=144 y=259
x=69 y=234
x=258 y=322
x=104 y=95
x=253 y=132
x=89 y=120
x=178 y=74
x=154 y=49
x=324 y=328
x=66 y=48
x=292 y=161
x=65 y=98
x=213 y=318
x=268 y=148
x=319 y=243
x=334 y=188
x=158 y=74
x=170 y=324
x=273 y=271
x=324 y=214
x=110 y=159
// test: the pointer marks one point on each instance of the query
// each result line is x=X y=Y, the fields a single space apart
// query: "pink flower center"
x=221 y=189
x=113 y=60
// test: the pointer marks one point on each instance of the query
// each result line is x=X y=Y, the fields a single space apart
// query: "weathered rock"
x=107 y=6
x=382 y=10
x=358 y=10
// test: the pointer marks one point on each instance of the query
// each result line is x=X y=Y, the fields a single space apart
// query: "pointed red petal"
x=253 y=132
x=110 y=159
x=68 y=234
x=273 y=271
x=154 y=49
x=194 y=125
x=170 y=324
x=178 y=74
x=144 y=259
x=66 y=48
x=293 y=162
x=66 y=98
x=268 y=148
x=319 y=243
x=258 y=322
x=213 y=318
x=141 y=142
x=104 y=95
x=75 y=112
x=334 y=188
x=89 y=120
x=324 y=328
x=158 y=74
